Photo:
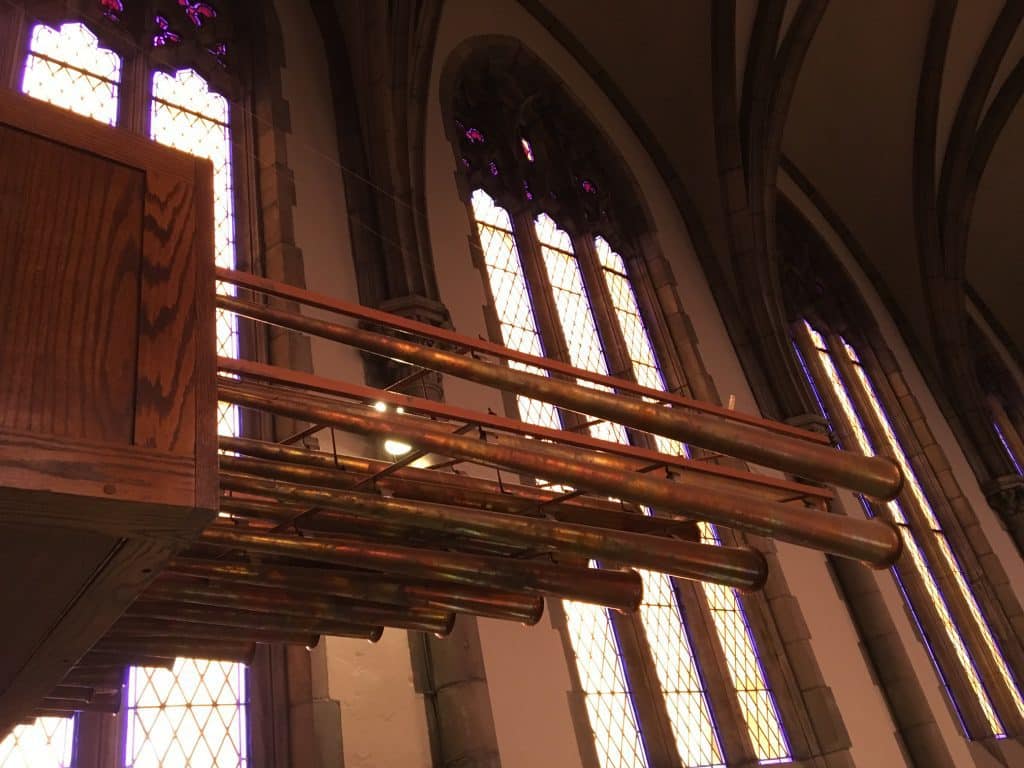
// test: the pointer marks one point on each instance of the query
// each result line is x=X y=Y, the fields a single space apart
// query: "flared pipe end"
x=449 y=626
x=893 y=484
x=536 y=615
x=375 y=634
x=892 y=555
x=757 y=582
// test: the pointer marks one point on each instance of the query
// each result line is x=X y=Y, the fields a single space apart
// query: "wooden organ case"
x=107 y=381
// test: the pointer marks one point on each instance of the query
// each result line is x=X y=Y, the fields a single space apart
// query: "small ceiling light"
x=396 y=447
x=399 y=409
x=380 y=407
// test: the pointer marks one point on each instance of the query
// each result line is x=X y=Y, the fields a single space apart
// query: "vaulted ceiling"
x=903 y=116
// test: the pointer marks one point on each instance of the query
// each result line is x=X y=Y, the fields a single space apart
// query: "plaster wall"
x=525 y=668
x=383 y=719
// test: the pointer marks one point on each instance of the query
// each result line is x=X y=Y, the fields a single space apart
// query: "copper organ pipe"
x=214 y=650
x=320 y=607
x=245 y=621
x=870 y=540
x=375 y=588
x=142 y=627
x=733 y=567
x=876 y=476
x=314 y=468
x=334 y=522
x=622 y=590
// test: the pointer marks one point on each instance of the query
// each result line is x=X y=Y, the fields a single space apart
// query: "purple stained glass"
x=526 y=190
x=588 y=187
x=220 y=53
x=164 y=35
x=493 y=168
x=465 y=162
x=112 y=9
x=527 y=149
x=198 y=12
x=474 y=136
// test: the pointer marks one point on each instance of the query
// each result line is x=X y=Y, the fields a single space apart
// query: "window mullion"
x=133 y=109
x=936 y=640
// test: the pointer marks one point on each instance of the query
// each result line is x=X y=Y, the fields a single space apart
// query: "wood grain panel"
x=130 y=492
x=165 y=394
x=70 y=237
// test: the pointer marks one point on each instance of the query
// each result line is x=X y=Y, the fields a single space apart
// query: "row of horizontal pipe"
x=310 y=543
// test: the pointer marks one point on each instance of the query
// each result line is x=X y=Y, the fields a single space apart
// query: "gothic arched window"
x=553 y=215
x=166 y=70
x=838 y=346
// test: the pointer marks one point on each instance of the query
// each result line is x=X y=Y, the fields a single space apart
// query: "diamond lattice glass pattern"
x=756 y=700
x=685 y=697
x=193 y=716
x=190 y=117
x=511 y=299
x=924 y=506
x=47 y=743
x=67 y=68
x=612 y=719
x=924 y=572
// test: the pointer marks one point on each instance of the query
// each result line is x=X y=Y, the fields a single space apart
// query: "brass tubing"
x=316 y=468
x=54 y=702
x=372 y=588
x=353 y=526
x=213 y=650
x=82 y=693
x=733 y=567
x=286 y=603
x=107 y=659
x=876 y=476
x=622 y=590
x=132 y=626
x=872 y=541
x=245 y=621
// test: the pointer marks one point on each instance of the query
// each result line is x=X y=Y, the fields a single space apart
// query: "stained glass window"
x=924 y=567
x=757 y=704
x=602 y=677
x=47 y=743
x=190 y=117
x=195 y=714
x=191 y=716
x=68 y=68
